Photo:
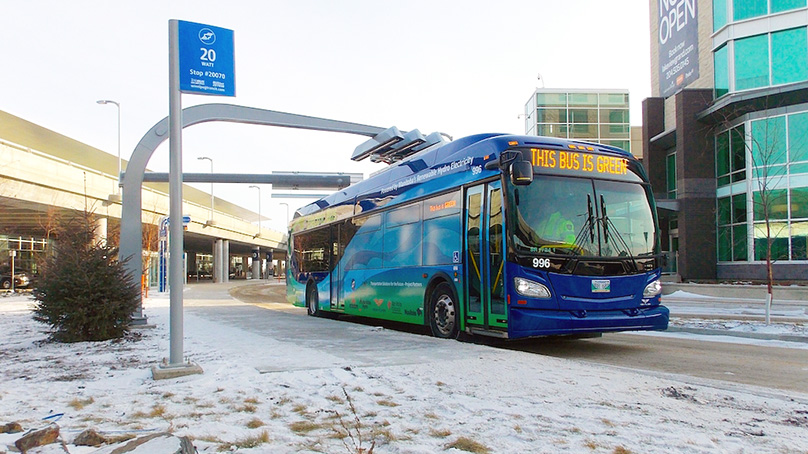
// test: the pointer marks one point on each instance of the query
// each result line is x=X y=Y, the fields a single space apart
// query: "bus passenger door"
x=337 y=248
x=485 y=257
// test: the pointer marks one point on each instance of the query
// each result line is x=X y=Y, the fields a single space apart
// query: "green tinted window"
x=724 y=244
x=721 y=63
x=719 y=14
x=551 y=115
x=799 y=241
x=789 y=56
x=551 y=99
x=583 y=115
x=670 y=164
x=769 y=141
x=785 y=5
x=774 y=201
x=739 y=243
x=752 y=62
x=614 y=99
x=739 y=208
x=799 y=204
x=724 y=211
x=614 y=131
x=552 y=130
x=622 y=144
x=744 y=9
x=584 y=99
x=584 y=131
x=614 y=115
x=722 y=154
x=798 y=137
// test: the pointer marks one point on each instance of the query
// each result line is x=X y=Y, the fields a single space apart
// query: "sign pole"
x=200 y=60
x=176 y=240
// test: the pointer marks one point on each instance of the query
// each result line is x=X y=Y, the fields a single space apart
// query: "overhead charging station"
x=201 y=61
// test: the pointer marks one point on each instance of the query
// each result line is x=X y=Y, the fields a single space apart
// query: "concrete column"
x=217 y=261
x=256 y=264
x=225 y=260
x=101 y=230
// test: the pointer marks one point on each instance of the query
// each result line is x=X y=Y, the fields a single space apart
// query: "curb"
x=719 y=332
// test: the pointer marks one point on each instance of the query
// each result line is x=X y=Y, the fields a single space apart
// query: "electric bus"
x=500 y=235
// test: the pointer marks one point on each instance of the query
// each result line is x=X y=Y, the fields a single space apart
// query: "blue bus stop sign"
x=207 y=59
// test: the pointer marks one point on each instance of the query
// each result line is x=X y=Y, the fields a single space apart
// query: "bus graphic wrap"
x=448 y=240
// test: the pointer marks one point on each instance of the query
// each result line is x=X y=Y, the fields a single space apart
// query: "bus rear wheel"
x=444 y=317
x=312 y=302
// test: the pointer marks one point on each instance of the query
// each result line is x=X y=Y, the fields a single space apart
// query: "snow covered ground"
x=487 y=400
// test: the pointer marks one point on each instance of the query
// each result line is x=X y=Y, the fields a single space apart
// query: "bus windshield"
x=583 y=217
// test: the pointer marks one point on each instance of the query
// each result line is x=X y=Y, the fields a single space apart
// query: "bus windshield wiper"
x=608 y=227
x=587 y=227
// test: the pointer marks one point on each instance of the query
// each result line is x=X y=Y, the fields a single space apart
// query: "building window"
x=752 y=62
x=732 y=228
x=745 y=9
x=552 y=130
x=613 y=99
x=721 y=65
x=730 y=156
x=670 y=173
x=789 y=56
x=780 y=191
x=584 y=99
x=785 y=5
x=622 y=144
x=583 y=115
x=551 y=115
x=551 y=99
x=614 y=116
x=719 y=14
x=615 y=131
x=769 y=150
x=798 y=143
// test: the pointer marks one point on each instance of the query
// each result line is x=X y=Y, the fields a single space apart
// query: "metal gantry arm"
x=131 y=222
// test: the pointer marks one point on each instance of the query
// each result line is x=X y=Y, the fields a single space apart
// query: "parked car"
x=21 y=279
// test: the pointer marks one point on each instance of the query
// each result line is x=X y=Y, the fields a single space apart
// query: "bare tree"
x=765 y=146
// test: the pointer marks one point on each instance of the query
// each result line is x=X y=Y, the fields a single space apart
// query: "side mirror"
x=521 y=173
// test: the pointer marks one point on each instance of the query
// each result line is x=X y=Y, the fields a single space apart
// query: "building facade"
x=600 y=116
x=726 y=136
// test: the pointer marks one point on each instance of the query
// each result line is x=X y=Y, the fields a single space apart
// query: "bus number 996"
x=541 y=263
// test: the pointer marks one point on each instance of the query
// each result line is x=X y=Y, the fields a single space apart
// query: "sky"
x=260 y=380
x=457 y=66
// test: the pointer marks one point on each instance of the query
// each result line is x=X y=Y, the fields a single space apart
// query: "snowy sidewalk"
x=464 y=396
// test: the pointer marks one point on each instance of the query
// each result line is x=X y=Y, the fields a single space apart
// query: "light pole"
x=287 y=213
x=210 y=221
x=259 y=210
x=118 y=106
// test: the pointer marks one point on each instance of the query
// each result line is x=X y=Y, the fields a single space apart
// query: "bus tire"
x=312 y=301
x=444 y=313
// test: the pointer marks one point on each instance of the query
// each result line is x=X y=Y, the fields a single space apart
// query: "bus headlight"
x=530 y=288
x=653 y=289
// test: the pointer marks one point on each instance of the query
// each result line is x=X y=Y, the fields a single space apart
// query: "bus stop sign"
x=207 y=61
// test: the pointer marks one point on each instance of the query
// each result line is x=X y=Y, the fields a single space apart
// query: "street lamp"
x=118 y=106
x=287 y=213
x=259 y=210
x=210 y=222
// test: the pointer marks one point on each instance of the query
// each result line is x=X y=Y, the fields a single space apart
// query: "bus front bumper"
x=532 y=322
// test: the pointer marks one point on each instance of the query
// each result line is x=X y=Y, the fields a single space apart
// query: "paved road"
x=773 y=367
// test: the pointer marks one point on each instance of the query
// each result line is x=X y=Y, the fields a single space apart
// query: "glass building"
x=599 y=116
x=726 y=135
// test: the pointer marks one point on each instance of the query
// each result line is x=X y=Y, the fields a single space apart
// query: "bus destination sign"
x=576 y=161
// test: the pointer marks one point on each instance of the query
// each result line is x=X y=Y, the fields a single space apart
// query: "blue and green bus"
x=500 y=235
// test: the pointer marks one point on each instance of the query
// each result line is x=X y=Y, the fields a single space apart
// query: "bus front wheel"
x=312 y=303
x=444 y=318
